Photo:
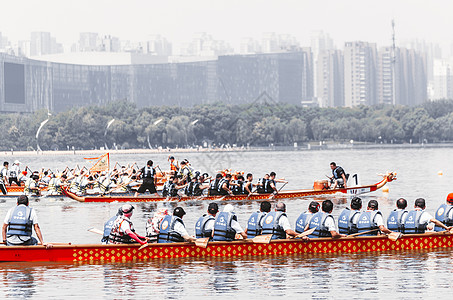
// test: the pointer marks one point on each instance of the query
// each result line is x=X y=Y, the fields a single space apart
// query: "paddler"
x=226 y=226
x=55 y=185
x=109 y=225
x=419 y=220
x=372 y=219
x=444 y=213
x=397 y=217
x=277 y=223
x=348 y=219
x=174 y=165
x=4 y=178
x=323 y=222
x=123 y=231
x=224 y=186
x=172 y=228
x=255 y=222
x=205 y=224
x=304 y=218
x=32 y=186
x=148 y=173
x=153 y=224
x=18 y=224
x=271 y=183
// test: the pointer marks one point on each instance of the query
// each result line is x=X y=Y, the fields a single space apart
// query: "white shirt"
x=284 y=223
x=15 y=239
x=425 y=218
x=330 y=224
x=379 y=220
x=236 y=226
x=209 y=225
x=181 y=229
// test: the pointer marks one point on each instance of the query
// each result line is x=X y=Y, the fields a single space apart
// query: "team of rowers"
x=182 y=180
x=318 y=220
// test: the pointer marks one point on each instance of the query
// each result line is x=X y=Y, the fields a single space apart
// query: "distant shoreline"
x=307 y=147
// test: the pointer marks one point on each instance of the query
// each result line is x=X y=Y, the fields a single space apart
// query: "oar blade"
x=305 y=233
x=394 y=236
x=95 y=230
x=203 y=242
x=143 y=246
x=262 y=239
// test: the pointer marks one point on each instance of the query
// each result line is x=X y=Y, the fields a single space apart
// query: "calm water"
x=402 y=275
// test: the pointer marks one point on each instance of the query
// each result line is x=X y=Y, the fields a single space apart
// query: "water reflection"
x=19 y=283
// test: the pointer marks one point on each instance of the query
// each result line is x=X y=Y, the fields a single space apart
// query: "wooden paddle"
x=95 y=230
x=305 y=233
x=261 y=239
x=394 y=236
x=273 y=195
x=360 y=233
x=203 y=243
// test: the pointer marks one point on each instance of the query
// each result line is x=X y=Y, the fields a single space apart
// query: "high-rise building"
x=443 y=79
x=385 y=76
x=360 y=74
x=40 y=43
x=329 y=78
x=88 y=41
x=411 y=81
x=158 y=45
x=110 y=44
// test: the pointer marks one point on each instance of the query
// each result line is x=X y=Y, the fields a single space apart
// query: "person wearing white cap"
x=226 y=225
x=123 y=231
x=14 y=173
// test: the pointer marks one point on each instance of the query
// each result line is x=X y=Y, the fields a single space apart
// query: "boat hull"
x=121 y=253
x=281 y=195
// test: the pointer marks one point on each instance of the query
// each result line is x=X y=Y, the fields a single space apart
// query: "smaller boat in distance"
x=355 y=190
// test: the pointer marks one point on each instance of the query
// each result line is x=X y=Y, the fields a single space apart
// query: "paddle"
x=273 y=195
x=394 y=236
x=203 y=243
x=95 y=230
x=261 y=239
x=360 y=233
x=305 y=233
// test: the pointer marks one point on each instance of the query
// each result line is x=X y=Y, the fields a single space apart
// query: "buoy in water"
x=385 y=189
x=440 y=173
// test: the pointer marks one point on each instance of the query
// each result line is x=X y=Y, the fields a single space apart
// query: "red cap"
x=450 y=198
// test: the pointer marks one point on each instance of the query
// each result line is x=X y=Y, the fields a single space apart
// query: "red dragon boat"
x=356 y=190
x=132 y=252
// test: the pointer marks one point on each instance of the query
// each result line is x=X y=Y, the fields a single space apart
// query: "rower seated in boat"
x=153 y=224
x=277 y=223
x=55 y=185
x=172 y=228
x=31 y=187
x=214 y=185
x=172 y=186
x=395 y=221
x=226 y=225
x=348 y=219
x=18 y=224
x=262 y=184
x=255 y=222
x=225 y=186
x=372 y=219
x=123 y=231
x=271 y=184
x=323 y=222
x=205 y=224
x=248 y=184
x=419 y=220
x=304 y=218
x=444 y=213
x=109 y=225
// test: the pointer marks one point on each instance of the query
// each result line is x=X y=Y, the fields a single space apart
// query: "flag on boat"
x=103 y=163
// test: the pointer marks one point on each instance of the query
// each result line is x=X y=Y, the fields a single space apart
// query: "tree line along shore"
x=123 y=125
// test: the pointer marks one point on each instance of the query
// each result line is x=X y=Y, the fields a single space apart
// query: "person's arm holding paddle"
x=179 y=228
x=140 y=239
x=380 y=222
x=39 y=235
x=330 y=224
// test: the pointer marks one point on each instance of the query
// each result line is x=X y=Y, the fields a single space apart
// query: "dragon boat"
x=316 y=191
x=94 y=253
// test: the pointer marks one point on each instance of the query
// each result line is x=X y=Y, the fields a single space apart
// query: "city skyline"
x=232 y=21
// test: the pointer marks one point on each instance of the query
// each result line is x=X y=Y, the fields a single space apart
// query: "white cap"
x=228 y=208
x=16 y=162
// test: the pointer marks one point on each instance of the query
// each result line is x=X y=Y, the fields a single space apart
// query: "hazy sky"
x=230 y=20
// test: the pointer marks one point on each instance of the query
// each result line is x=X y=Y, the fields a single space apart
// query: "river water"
x=399 y=275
